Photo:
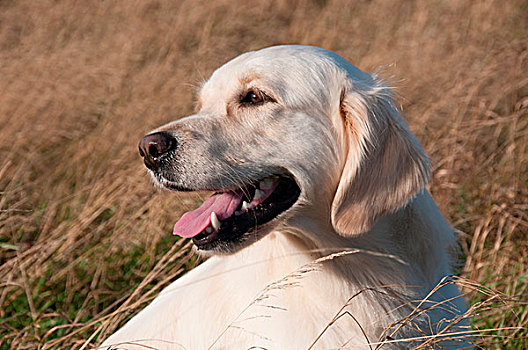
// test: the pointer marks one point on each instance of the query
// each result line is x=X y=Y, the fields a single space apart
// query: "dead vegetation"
x=85 y=240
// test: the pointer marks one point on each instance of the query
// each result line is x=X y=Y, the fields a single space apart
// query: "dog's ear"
x=384 y=165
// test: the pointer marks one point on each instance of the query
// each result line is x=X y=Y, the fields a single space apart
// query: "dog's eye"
x=253 y=97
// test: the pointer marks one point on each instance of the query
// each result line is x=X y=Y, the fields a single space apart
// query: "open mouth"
x=227 y=216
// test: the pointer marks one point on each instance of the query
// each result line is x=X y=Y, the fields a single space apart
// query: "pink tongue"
x=194 y=222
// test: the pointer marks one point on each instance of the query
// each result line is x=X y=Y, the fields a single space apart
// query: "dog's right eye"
x=253 y=97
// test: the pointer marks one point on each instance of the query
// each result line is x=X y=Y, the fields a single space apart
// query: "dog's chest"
x=268 y=302
x=262 y=298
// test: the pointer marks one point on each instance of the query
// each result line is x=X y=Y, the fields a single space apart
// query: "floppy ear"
x=384 y=165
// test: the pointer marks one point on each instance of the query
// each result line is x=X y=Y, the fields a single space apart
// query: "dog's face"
x=276 y=132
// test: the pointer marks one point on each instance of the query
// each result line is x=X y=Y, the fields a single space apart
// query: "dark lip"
x=177 y=188
x=170 y=185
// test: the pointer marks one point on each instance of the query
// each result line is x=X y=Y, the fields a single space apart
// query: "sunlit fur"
x=363 y=206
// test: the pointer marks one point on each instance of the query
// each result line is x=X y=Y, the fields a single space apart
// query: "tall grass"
x=84 y=238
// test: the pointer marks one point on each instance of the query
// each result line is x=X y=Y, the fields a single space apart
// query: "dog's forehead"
x=283 y=68
x=275 y=63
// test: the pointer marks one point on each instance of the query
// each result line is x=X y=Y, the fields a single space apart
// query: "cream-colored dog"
x=321 y=232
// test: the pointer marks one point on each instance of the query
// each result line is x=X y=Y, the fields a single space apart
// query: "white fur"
x=365 y=240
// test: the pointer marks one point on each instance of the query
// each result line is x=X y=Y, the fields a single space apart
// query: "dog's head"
x=286 y=130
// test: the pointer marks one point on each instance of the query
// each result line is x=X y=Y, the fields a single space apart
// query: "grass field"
x=85 y=239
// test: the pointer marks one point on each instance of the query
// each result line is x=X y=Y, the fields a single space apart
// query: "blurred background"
x=85 y=239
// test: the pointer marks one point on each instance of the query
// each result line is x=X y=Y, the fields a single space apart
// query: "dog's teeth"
x=258 y=194
x=245 y=206
x=214 y=221
x=266 y=183
x=209 y=229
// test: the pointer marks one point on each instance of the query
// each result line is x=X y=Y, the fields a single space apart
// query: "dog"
x=320 y=231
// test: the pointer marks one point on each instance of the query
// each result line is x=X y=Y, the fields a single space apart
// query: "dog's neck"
x=406 y=239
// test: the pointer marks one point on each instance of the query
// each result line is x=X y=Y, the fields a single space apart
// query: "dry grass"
x=84 y=239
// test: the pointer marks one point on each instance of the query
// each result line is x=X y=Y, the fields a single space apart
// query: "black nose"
x=153 y=146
